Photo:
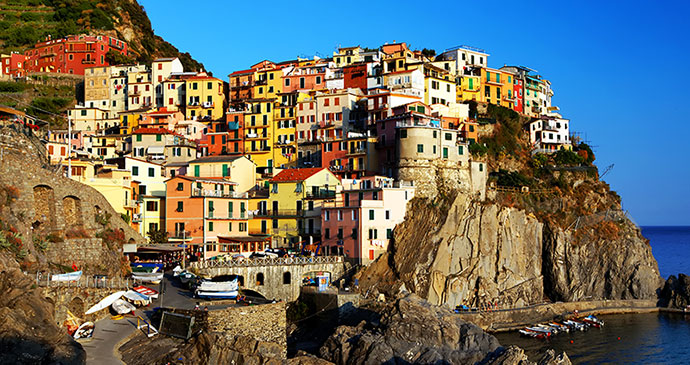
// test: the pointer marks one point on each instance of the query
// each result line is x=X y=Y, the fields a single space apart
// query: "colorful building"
x=72 y=54
x=205 y=97
x=239 y=169
x=294 y=204
x=360 y=223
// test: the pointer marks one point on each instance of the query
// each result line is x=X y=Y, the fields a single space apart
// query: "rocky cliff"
x=455 y=250
x=28 y=333
x=676 y=292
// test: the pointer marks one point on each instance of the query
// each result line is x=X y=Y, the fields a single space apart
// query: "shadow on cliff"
x=17 y=350
x=311 y=332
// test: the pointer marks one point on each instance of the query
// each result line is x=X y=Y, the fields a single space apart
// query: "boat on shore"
x=217 y=294
x=149 y=277
x=85 y=330
x=121 y=306
x=105 y=302
x=217 y=289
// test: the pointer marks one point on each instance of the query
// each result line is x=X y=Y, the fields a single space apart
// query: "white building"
x=465 y=57
x=161 y=69
x=409 y=82
x=549 y=134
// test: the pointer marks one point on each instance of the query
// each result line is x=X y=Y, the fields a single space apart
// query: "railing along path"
x=266 y=261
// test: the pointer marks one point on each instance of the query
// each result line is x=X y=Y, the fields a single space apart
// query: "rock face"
x=28 y=333
x=460 y=251
x=676 y=292
x=412 y=331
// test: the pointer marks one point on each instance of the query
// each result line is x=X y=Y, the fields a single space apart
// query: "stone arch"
x=287 y=278
x=260 y=279
x=44 y=207
x=71 y=210
x=76 y=306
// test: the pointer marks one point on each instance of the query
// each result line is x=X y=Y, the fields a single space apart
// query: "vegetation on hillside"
x=24 y=22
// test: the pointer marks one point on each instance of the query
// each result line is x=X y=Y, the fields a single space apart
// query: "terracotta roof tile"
x=296 y=174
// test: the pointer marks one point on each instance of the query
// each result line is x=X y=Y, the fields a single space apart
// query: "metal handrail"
x=266 y=261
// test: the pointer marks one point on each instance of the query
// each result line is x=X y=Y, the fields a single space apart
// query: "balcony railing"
x=321 y=194
x=280 y=213
x=131 y=204
x=357 y=151
x=196 y=192
x=183 y=235
x=136 y=218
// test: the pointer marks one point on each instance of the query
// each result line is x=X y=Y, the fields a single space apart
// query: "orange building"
x=207 y=215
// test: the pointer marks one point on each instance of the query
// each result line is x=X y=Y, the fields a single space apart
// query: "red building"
x=72 y=54
x=12 y=65
x=517 y=92
x=224 y=138
x=355 y=76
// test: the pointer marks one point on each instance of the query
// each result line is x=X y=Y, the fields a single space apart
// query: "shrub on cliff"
x=512 y=178
x=569 y=158
x=477 y=149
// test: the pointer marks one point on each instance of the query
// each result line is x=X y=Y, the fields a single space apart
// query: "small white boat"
x=218 y=286
x=137 y=298
x=217 y=294
x=84 y=331
x=105 y=302
x=123 y=307
x=150 y=277
x=177 y=270
x=186 y=277
x=70 y=276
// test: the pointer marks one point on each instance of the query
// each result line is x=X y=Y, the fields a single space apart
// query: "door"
x=275 y=207
x=445 y=152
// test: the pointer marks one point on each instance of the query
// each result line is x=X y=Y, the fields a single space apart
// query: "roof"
x=222 y=158
x=296 y=174
x=241 y=72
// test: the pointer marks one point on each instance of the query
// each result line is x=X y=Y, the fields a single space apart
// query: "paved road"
x=102 y=347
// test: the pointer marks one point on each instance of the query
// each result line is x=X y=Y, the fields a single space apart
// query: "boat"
x=176 y=271
x=532 y=334
x=593 y=321
x=84 y=331
x=137 y=298
x=70 y=276
x=146 y=291
x=150 y=277
x=561 y=327
x=105 y=302
x=546 y=332
x=123 y=307
x=575 y=325
x=218 y=285
x=217 y=294
x=186 y=277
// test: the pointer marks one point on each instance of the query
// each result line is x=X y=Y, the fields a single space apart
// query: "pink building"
x=360 y=223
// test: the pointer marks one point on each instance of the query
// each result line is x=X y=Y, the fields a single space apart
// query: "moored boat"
x=123 y=307
x=105 y=302
x=85 y=330
x=217 y=294
x=70 y=276
x=150 y=277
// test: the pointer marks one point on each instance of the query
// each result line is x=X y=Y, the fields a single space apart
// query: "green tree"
x=158 y=236
x=116 y=58
x=566 y=157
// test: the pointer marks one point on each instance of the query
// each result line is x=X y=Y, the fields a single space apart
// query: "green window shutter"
x=225 y=170
x=371 y=214
x=230 y=208
x=498 y=77
x=471 y=83
x=460 y=150
x=389 y=233
x=159 y=138
x=229 y=226
x=210 y=226
x=135 y=170
x=445 y=152
x=138 y=137
x=420 y=148
x=488 y=76
x=196 y=170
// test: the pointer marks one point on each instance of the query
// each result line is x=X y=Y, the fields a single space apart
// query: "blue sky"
x=618 y=68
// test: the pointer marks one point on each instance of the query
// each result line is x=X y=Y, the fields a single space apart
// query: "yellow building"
x=205 y=97
x=268 y=81
x=347 y=56
x=497 y=87
x=258 y=134
x=129 y=120
x=295 y=202
x=469 y=88
x=116 y=186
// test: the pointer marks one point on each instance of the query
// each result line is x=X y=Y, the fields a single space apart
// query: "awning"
x=155 y=150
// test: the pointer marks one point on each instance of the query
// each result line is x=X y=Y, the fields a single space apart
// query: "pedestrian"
x=196 y=307
x=206 y=308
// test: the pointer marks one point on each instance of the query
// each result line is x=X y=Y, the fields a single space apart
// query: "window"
x=327 y=233
x=326 y=215
x=388 y=214
x=275 y=188
x=298 y=187
x=340 y=215
x=449 y=137
x=135 y=170
x=180 y=186
x=371 y=214
x=210 y=226
x=152 y=172
x=481 y=167
x=180 y=206
x=286 y=278
x=229 y=226
x=403 y=133
x=460 y=150
x=389 y=233
x=243 y=227
x=151 y=206
x=138 y=137
x=340 y=233
x=373 y=234
x=420 y=148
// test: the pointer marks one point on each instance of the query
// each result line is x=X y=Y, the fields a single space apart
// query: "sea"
x=650 y=338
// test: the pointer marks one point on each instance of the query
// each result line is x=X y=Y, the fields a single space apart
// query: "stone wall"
x=75 y=300
x=263 y=323
x=49 y=203
x=428 y=175
x=274 y=285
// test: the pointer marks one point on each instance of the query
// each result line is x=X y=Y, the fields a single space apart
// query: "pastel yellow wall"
x=202 y=91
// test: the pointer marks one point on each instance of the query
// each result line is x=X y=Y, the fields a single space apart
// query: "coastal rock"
x=28 y=333
x=676 y=292
x=457 y=251
x=514 y=355
x=410 y=331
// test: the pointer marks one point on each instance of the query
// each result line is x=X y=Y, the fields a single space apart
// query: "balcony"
x=259 y=150
x=207 y=104
x=131 y=204
x=280 y=213
x=256 y=136
x=136 y=218
x=88 y=62
x=549 y=126
x=260 y=82
x=321 y=194
x=357 y=151
x=180 y=235
x=196 y=193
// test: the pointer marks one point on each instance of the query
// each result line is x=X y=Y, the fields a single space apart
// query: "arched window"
x=286 y=277
x=260 y=278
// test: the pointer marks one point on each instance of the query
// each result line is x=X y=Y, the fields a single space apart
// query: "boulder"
x=676 y=292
